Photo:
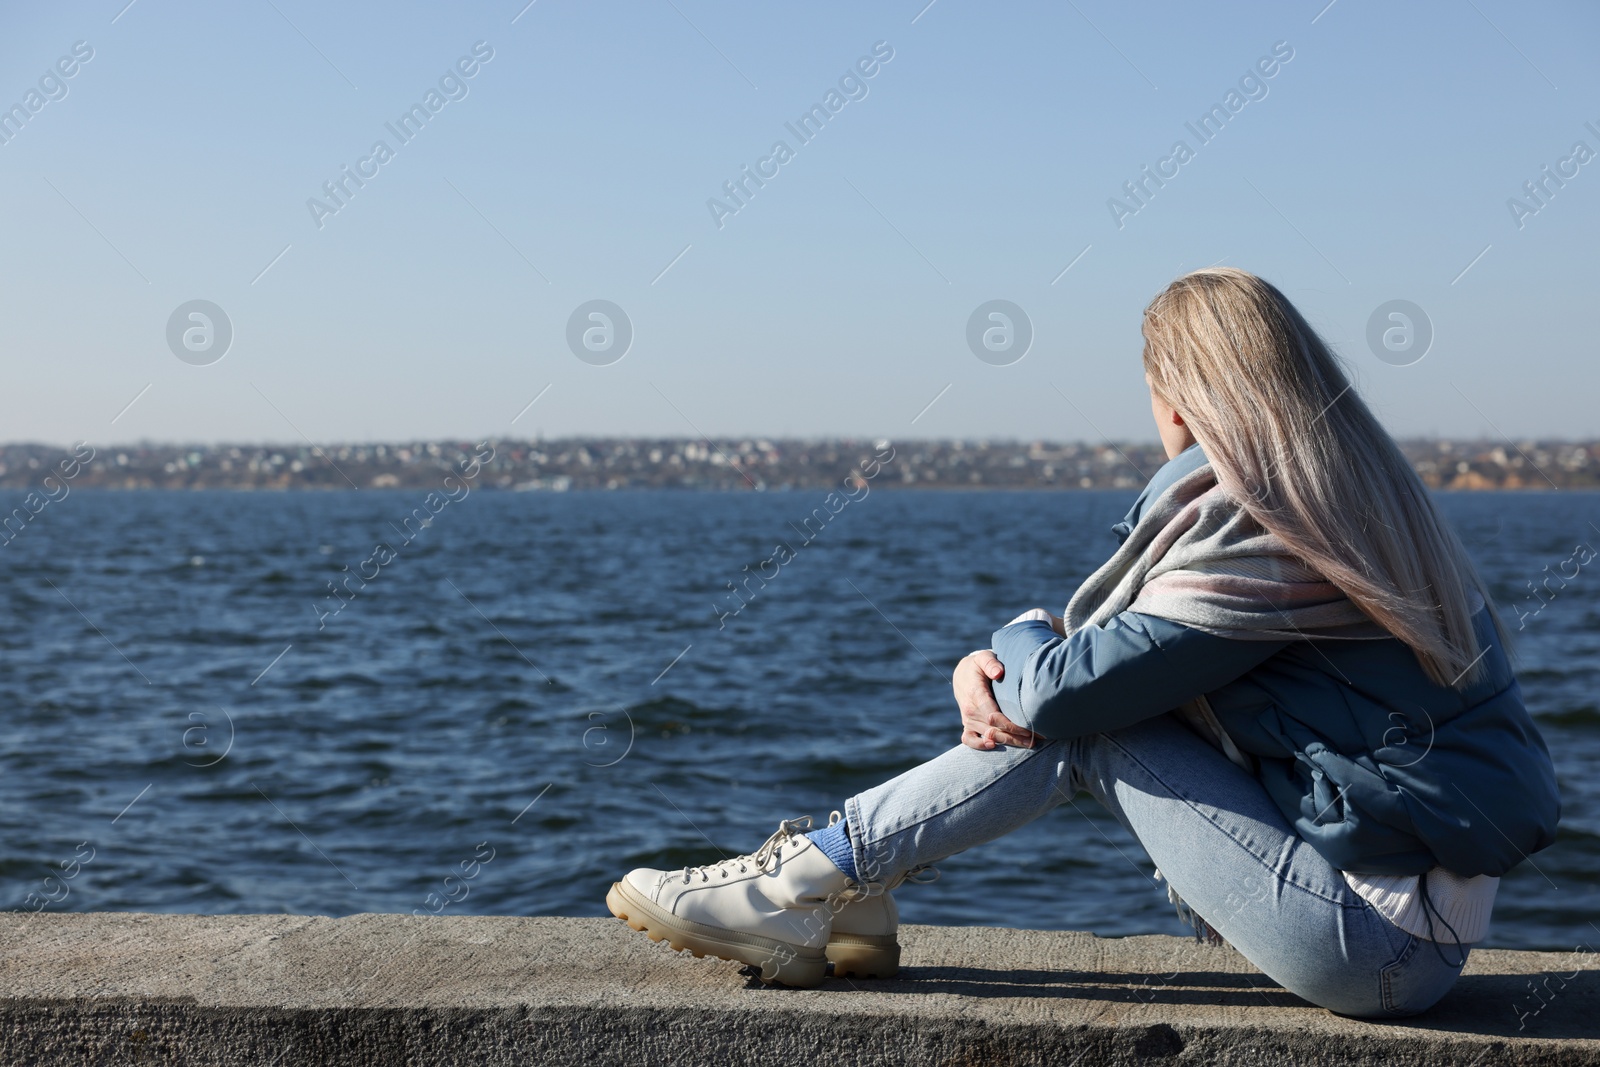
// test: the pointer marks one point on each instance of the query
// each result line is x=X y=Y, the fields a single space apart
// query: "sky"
x=970 y=153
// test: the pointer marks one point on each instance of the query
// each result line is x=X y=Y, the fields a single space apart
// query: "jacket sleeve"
x=1104 y=678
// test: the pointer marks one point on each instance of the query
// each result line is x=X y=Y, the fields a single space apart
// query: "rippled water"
x=536 y=694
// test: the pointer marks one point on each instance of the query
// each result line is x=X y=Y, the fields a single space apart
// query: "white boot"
x=864 y=942
x=773 y=909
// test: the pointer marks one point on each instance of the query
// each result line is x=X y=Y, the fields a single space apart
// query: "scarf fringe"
x=1204 y=933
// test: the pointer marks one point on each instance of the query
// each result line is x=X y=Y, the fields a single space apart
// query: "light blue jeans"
x=1212 y=831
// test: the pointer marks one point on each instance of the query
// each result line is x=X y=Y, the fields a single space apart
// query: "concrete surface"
x=119 y=988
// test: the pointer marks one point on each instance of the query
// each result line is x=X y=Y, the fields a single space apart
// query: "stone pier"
x=125 y=988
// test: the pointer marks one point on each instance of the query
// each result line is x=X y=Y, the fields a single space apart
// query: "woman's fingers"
x=1007 y=732
x=1001 y=737
x=990 y=665
x=989 y=739
x=986 y=731
x=975 y=731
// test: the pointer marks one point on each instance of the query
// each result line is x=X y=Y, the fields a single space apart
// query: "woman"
x=1289 y=684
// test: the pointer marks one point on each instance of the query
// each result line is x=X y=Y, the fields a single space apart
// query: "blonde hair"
x=1292 y=442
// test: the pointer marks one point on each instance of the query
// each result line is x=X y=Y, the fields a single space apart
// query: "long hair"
x=1298 y=449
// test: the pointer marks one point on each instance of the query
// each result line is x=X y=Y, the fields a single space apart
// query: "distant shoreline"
x=741 y=464
x=727 y=490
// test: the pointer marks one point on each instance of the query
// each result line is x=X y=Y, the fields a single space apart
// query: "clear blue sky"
x=979 y=165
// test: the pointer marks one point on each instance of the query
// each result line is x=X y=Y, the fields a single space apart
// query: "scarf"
x=1199 y=559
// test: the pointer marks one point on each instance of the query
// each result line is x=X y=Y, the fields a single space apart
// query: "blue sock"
x=834 y=841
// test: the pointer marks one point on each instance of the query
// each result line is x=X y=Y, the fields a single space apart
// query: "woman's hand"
x=983 y=725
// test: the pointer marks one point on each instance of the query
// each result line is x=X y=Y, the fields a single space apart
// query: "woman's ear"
x=1177 y=420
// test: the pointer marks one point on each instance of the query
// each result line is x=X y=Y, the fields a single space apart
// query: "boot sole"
x=778 y=961
x=863 y=956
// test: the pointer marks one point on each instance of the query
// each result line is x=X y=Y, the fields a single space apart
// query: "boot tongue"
x=809 y=877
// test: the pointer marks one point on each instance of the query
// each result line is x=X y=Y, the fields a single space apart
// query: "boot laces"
x=787 y=830
x=772 y=848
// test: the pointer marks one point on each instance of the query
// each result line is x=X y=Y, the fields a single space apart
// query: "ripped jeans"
x=1212 y=831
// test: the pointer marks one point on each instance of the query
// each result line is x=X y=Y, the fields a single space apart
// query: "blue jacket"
x=1381 y=770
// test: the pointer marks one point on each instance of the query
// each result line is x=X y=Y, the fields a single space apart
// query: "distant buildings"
x=734 y=464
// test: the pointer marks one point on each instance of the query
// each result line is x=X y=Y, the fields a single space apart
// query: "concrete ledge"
x=119 y=988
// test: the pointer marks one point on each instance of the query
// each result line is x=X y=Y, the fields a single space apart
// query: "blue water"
x=536 y=694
